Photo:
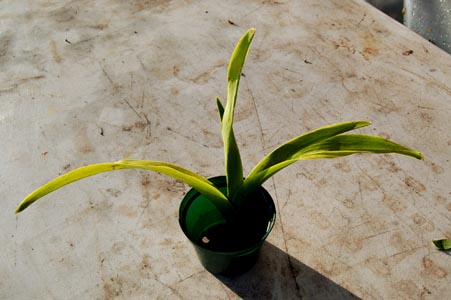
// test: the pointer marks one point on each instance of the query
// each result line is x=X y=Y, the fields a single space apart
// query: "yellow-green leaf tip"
x=443 y=244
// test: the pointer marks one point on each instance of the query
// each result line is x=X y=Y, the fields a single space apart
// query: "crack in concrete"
x=290 y=263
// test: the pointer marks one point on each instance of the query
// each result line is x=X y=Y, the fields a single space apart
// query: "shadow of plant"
x=277 y=275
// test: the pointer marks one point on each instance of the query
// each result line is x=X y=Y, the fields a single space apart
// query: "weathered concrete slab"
x=84 y=82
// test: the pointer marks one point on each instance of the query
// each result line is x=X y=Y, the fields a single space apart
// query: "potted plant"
x=227 y=218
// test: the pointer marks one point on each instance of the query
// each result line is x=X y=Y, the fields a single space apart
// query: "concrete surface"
x=85 y=82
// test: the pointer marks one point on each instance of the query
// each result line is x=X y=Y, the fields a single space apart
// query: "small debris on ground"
x=407 y=52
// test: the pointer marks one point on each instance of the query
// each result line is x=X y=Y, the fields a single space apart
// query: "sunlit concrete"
x=93 y=81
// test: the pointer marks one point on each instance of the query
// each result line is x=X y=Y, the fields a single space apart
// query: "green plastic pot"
x=227 y=248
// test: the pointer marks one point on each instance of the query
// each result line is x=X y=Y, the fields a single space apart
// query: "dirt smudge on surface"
x=127 y=211
x=64 y=14
x=408 y=288
x=370 y=46
x=6 y=40
x=423 y=223
x=114 y=192
x=204 y=77
x=99 y=26
x=415 y=185
x=142 y=5
x=388 y=162
x=145 y=181
x=112 y=288
x=343 y=166
x=431 y=268
x=55 y=54
x=435 y=168
x=320 y=220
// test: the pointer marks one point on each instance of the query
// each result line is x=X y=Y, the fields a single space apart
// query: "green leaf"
x=443 y=244
x=347 y=144
x=284 y=155
x=232 y=158
x=196 y=181
x=220 y=108
x=325 y=142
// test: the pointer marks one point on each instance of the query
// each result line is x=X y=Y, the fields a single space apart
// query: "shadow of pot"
x=224 y=247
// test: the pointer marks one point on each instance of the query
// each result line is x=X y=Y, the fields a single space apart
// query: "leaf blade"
x=325 y=142
x=232 y=158
x=347 y=144
x=220 y=108
x=283 y=154
x=198 y=182
x=443 y=244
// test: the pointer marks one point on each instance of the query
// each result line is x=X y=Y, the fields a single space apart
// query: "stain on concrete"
x=55 y=54
x=370 y=46
x=414 y=184
x=394 y=203
x=65 y=14
x=431 y=268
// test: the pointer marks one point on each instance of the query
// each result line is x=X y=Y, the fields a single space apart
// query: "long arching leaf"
x=201 y=184
x=347 y=144
x=325 y=142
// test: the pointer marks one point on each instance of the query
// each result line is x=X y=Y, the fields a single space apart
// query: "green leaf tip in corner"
x=443 y=244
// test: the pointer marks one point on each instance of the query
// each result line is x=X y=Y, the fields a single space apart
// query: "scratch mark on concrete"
x=360 y=192
x=15 y=241
x=288 y=197
x=429 y=80
x=146 y=205
x=260 y=127
x=19 y=82
x=143 y=97
x=113 y=84
x=155 y=277
x=292 y=269
x=377 y=234
x=290 y=263
x=133 y=109
x=370 y=178
x=187 y=137
x=108 y=77
x=191 y=276
x=149 y=127
x=406 y=251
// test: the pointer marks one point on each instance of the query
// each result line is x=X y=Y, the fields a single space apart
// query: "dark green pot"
x=227 y=248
